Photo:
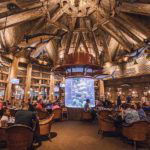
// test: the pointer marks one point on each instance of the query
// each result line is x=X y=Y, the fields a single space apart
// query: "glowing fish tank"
x=77 y=90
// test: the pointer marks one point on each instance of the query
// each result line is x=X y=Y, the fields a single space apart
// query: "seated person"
x=87 y=105
x=87 y=108
x=107 y=103
x=130 y=115
x=1 y=107
x=55 y=106
x=25 y=116
x=39 y=105
x=141 y=112
x=5 y=118
x=49 y=107
x=31 y=106
x=28 y=118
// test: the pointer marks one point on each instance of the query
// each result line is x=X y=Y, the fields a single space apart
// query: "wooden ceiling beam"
x=4 y=12
x=68 y=43
x=59 y=13
x=116 y=33
x=135 y=8
x=105 y=46
x=24 y=16
x=135 y=26
x=127 y=31
x=78 y=41
x=93 y=40
x=84 y=43
x=58 y=25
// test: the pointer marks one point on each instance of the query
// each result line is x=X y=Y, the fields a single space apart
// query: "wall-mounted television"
x=14 y=81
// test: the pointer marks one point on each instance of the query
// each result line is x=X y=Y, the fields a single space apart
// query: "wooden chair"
x=57 y=114
x=105 y=113
x=137 y=131
x=19 y=137
x=42 y=114
x=105 y=125
x=86 y=115
x=2 y=134
x=45 y=126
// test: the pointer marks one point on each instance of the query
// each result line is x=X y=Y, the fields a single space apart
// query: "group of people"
x=26 y=114
x=127 y=112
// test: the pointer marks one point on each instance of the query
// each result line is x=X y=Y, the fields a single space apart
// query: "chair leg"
x=49 y=137
x=99 y=131
x=135 y=148
x=102 y=134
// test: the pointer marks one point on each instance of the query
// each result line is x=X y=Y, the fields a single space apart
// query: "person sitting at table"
x=55 y=106
x=119 y=101
x=5 y=118
x=1 y=107
x=49 y=107
x=87 y=108
x=26 y=117
x=141 y=112
x=31 y=106
x=107 y=103
x=128 y=99
x=130 y=114
x=39 y=105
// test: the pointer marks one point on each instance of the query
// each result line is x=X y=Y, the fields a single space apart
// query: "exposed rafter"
x=135 y=8
x=21 y=17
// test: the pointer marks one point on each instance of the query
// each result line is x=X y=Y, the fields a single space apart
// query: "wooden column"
x=52 y=84
x=13 y=74
x=28 y=82
x=101 y=88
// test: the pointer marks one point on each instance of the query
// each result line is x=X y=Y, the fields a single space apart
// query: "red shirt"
x=1 y=106
x=39 y=106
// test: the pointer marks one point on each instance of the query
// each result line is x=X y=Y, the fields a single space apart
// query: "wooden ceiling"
x=45 y=30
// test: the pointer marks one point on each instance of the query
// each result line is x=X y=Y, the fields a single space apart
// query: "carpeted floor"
x=77 y=135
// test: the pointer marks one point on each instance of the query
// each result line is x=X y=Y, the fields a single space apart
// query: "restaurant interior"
x=74 y=74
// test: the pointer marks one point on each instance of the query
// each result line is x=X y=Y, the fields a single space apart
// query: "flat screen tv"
x=14 y=81
x=77 y=90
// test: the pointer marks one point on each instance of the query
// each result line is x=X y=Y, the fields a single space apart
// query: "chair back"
x=19 y=137
x=45 y=125
x=139 y=130
x=42 y=114
x=105 y=113
x=2 y=134
x=105 y=124
x=57 y=113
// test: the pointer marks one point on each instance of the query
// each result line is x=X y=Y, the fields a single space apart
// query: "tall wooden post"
x=101 y=88
x=28 y=81
x=52 y=84
x=13 y=74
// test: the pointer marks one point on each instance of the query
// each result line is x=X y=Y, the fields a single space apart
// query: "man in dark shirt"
x=25 y=116
x=28 y=118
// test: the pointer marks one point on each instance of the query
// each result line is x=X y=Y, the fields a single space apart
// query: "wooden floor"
x=77 y=135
